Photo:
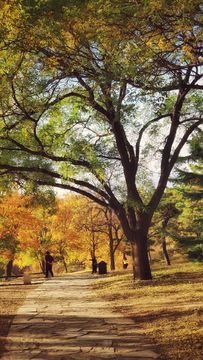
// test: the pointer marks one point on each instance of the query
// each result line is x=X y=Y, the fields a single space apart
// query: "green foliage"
x=188 y=231
x=195 y=253
x=75 y=79
x=45 y=199
x=191 y=191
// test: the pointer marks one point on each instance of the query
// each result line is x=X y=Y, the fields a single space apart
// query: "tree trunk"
x=112 y=260
x=111 y=249
x=165 y=251
x=136 y=231
x=141 y=267
x=65 y=266
x=43 y=266
x=93 y=251
x=108 y=215
x=8 y=269
x=64 y=263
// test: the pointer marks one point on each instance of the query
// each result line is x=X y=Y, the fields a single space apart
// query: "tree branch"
x=74 y=189
x=19 y=169
x=142 y=131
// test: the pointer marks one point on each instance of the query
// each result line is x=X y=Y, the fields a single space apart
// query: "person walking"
x=49 y=262
x=125 y=263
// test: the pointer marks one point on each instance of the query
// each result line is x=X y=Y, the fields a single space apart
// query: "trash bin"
x=27 y=279
x=102 y=267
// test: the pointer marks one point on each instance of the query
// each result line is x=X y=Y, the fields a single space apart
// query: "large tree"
x=75 y=80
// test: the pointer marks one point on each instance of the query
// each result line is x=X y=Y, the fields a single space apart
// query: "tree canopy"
x=93 y=92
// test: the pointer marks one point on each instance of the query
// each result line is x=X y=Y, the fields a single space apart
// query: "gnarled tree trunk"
x=141 y=267
x=136 y=231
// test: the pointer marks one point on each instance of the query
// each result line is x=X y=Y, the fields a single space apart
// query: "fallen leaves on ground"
x=169 y=309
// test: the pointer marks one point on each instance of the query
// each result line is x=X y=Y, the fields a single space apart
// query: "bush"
x=195 y=252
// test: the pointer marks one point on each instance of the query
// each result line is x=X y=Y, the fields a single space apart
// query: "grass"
x=169 y=309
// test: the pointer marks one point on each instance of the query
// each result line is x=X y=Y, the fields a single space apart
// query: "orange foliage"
x=18 y=226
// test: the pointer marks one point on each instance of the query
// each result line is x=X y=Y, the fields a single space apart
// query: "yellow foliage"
x=17 y=223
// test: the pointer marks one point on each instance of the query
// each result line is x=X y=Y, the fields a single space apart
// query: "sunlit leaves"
x=79 y=72
x=18 y=227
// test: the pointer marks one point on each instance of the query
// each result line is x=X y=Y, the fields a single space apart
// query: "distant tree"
x=166 y=211
x=64 y=238
x=93 y=224
x=189 y=236
x=112 y=228
x=191 y=192
x=19 y=228
x=44 y=206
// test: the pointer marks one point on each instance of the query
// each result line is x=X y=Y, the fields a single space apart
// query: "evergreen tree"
x=192 y=199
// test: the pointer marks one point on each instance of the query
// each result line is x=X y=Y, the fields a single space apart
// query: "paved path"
x=64 y=320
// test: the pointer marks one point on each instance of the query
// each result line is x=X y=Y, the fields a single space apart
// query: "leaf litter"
x=169 y=309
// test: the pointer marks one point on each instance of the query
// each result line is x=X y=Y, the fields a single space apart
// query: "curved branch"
x=22 y=108
x=81 y=163
x=165 y=174
x=109 y=157
x=19 y=169
x=142 y=131
x=44 y=154
x=190 y=119
x=183 y=141
x=74 y=189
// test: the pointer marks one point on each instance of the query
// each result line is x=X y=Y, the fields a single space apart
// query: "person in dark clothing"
x=49 y=261
x=94 y=265
x=125 y=263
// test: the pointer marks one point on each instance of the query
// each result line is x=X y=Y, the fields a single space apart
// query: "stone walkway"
x=64 y=320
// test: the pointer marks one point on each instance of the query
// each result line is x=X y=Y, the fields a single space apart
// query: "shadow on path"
x=63 y=319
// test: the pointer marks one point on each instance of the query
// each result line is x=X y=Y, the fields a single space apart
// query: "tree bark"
x=165 y=251
x=64 y=263
x=111 y=249
x=43 y=266
x=65 y=266
x=141 y=267
x=112 y=260
x=8 y=269
x=136 y=231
